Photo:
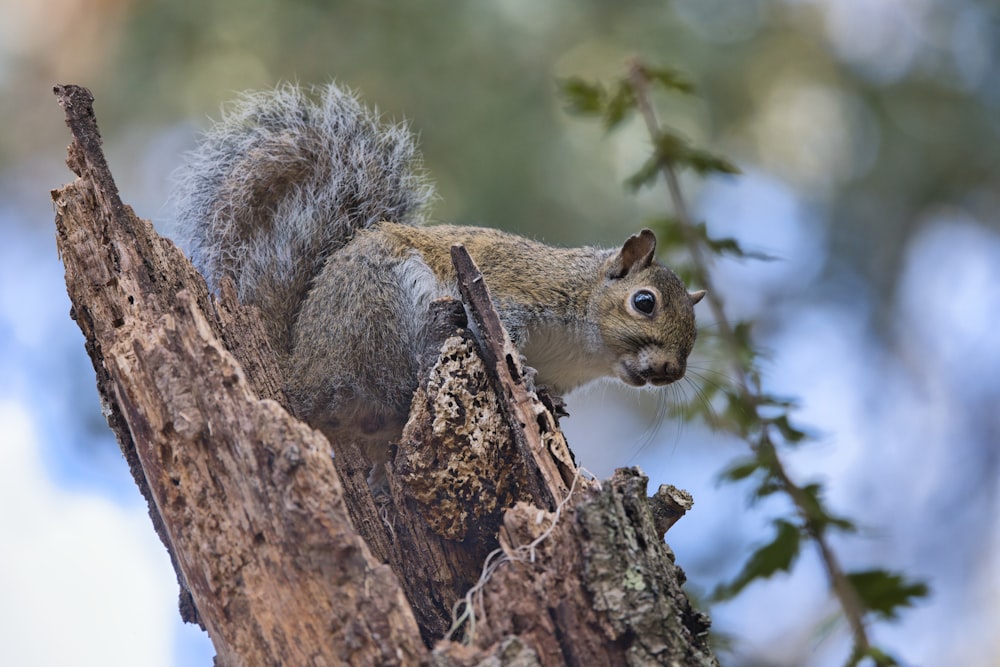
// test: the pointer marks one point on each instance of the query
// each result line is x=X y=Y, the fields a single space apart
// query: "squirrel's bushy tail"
x=283 y=179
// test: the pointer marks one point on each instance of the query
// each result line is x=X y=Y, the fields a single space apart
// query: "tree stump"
x=281 y=551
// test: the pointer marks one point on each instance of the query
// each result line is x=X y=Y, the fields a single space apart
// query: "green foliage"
x=670 y=148
x=583 y=98
x=791 y=434
x=620 y=103
x=741 y=411
x=817 y=516
x=740 y=469
x=670 y=235
x=877 y=655
x=591 y=99
x=885 y=593
x=778 y=555
x=762 y=420
x=668 y=78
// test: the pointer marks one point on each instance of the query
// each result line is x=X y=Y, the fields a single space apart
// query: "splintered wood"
x=283 y=553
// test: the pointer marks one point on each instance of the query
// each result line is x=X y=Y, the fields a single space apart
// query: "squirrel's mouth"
x=650 y=376
x=629 y=376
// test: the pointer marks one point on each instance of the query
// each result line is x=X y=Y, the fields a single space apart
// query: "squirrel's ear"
x=636 y=254
x=696 y=296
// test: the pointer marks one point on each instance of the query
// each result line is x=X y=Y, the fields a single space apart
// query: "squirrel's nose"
x=667 y=372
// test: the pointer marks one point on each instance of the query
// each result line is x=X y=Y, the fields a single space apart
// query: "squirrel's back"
x=286 y=177
x=307 y=201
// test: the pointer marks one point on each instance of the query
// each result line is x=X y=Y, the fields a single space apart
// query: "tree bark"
x=282 y=552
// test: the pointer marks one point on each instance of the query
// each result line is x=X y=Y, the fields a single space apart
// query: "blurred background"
x=867 y=131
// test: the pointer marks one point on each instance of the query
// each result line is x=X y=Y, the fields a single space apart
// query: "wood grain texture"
x=248 y=498
x=283 y=552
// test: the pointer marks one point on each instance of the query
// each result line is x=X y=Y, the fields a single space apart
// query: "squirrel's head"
x=645 y=315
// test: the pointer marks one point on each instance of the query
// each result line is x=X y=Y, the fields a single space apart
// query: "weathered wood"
x=454 y=474
x=281 y=552
x=451 y=478
x=541 y=444
x=251 y=506
x=668 y=505
x=590 y=584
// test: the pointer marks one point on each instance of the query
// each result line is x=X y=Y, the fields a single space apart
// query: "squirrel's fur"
x=314 y=207
x=284 y=178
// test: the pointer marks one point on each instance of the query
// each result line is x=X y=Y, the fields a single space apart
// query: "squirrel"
x=316 y=208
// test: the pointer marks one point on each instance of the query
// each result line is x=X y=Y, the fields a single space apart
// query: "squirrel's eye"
x=644 y=301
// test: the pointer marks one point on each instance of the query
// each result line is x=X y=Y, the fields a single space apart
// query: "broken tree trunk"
x=282 y=553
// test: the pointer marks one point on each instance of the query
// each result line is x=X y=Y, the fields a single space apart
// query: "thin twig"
x=849 y=601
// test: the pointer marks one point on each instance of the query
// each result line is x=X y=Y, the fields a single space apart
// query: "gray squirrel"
x=315 y=208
